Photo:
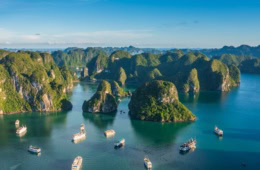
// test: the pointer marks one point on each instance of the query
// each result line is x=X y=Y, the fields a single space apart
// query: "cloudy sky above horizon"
x=142 y=23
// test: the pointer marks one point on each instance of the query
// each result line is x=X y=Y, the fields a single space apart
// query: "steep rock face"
x=192 y=84
x=121 y=76
x=117 y=91
x=103 y=100
x=97 y=64
x=84 y=73
x=234 y=73
x=217 y=76
x=32 y=82
x=158 y=101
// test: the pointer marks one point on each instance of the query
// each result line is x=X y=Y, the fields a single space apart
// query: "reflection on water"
x=204 y=97
x=156 y=132
x=101 y=121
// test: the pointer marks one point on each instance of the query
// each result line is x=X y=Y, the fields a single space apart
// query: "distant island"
x=190 y=72
x=79 y=57
x=158 y=101
x=32 y=82
x=246 y=64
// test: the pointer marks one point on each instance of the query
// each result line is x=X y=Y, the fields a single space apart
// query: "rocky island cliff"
x=103 y=101
x=31 y=81
x=158 y=101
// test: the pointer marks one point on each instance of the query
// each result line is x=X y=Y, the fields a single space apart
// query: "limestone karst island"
x=129 y=85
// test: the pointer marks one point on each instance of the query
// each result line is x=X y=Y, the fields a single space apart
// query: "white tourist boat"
x=77 y=163
x=21 y=130
x=34 y=149
x=147 y=163
x=81 y=135
x=17 y=123
x=218 y=131
x=119 y=143
x=109 y=133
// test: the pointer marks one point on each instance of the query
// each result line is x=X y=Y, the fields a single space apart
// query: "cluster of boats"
x=77 y=163
x=190 y=145
x=21 y=131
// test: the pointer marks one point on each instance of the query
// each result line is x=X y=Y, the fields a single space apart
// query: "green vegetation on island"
x=117 y=91
x=103 y=101
x=190 y=72
x=31 y=81
x=250 y=66
x=158 y=101
x=245 y=63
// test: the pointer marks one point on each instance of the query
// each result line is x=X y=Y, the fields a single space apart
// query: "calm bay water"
x=236 y=112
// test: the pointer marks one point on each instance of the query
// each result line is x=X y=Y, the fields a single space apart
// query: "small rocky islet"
x=105 y=100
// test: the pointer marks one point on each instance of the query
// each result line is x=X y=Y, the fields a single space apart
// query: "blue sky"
x=142 y=23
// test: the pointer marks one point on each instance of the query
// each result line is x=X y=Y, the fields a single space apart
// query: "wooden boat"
x=109 y=133
x=77 y=163
x=34 y=149
x=119 y=143
x=218 y=131
x=147 y=163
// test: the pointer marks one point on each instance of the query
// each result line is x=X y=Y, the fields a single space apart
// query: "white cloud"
x=100 y=37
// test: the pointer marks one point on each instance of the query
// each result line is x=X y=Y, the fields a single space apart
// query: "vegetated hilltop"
x=244 y=63
x=31 y=81
x=105 y=99
x=158 y=101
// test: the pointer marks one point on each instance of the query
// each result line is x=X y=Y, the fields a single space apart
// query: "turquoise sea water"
x=236 y=112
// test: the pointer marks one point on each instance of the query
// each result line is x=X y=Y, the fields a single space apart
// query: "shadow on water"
x=156 y=132
x=101 y=121
x=204 y=97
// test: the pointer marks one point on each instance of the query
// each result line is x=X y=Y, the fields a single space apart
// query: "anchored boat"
x=109 y=133
x=34 y=149
x=218 y=131
x=77 y=163
x=81 y=135
x=120 y=143
x=191 y=144
x=147 y=163
x=21 y=130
